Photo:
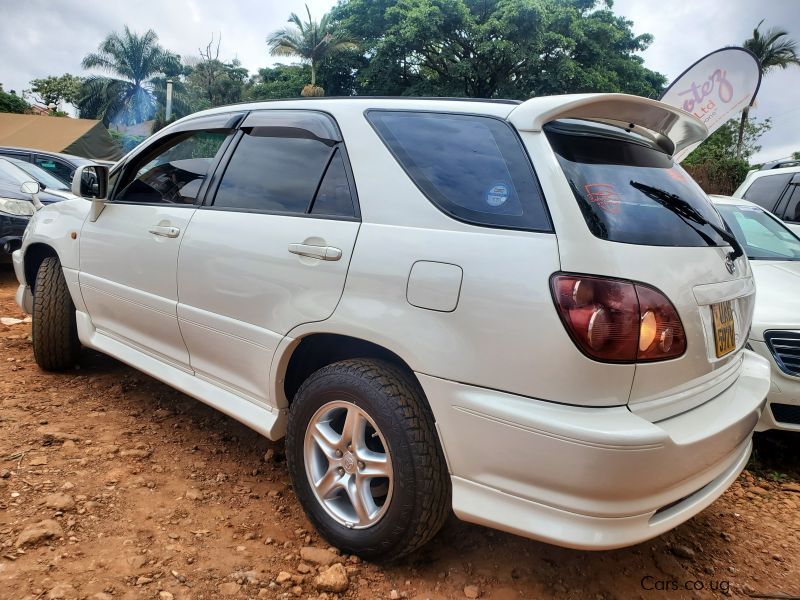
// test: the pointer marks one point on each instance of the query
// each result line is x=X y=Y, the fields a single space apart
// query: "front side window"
x=766 y=191
x=630 y=191
x=761 y=235
x=58 y=169
x=172 y=172
x=472 y=167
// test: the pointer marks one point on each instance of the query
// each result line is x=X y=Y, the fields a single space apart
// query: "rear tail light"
x=614 y=320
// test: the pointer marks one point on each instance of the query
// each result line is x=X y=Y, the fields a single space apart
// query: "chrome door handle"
x=170 y=232
x=318 y=252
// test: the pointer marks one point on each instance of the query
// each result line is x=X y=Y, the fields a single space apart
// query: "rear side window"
x=631 y=192
x=333 y=197
x=473 y=168
x=767 y=190
x=272 y=174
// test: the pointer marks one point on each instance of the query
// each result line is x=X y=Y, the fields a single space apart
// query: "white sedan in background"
x=774 y=253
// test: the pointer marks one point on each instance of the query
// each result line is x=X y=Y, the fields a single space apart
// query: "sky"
x=50 y=37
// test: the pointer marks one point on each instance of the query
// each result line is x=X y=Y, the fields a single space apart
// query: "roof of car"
x=341 y=104
x=79 y=160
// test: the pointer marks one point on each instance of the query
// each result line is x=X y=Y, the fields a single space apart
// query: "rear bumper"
x=591 y=478
x=784 y=392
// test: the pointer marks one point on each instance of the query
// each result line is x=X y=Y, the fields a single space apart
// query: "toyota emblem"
x=730 y=265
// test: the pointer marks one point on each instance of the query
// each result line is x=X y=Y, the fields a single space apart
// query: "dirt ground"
x=146 y=493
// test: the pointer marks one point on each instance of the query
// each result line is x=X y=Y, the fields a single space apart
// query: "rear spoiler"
x=670 y=128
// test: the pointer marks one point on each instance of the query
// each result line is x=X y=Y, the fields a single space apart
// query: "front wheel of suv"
x=365 y=460
x=55 y=332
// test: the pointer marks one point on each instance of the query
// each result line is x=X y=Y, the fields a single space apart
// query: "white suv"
x=775 y=188
x=525 y=312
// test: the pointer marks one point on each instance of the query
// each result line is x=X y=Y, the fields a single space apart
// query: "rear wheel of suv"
x=365 y=460
x=55 y=332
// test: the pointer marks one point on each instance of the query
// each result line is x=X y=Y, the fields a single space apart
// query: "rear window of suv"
x=472 y=167
x=629 y=190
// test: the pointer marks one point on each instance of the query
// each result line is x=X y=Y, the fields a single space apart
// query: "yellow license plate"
x=724 y=333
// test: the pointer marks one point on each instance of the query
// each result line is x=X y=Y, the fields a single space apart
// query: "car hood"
x=777 y=293
x=56 y=195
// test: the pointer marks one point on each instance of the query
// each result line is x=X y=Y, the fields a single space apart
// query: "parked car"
x=16 y=210
x=47 y=182
x=60 y=165
x=14 y=176
x=526 y=312
x=776 y=190
x=16 y=206
x=774 y=253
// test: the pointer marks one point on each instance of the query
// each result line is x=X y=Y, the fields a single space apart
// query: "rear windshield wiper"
x=690 y=215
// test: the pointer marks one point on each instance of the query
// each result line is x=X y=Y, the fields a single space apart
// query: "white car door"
x=269 y=249
x=129 y=255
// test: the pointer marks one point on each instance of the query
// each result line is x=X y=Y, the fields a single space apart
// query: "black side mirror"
x=90 y=182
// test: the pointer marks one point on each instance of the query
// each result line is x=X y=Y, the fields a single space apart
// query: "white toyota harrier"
x=523 y=311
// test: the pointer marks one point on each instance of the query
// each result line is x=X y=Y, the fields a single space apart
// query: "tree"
x=280 y=81
x=11 y=103
x=774 y=49
x=57 y=89
x=135 y=61
x=796 y=155
x=496 y=48
x=312 y=42
x=212 y=82
x=718 y=164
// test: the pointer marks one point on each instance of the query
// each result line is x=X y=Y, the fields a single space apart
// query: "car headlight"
x=18 y=208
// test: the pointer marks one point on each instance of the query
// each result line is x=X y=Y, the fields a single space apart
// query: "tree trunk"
x=313 y=74
x=742 y=124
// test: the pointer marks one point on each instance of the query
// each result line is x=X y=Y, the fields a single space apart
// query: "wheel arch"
x=312 y=351
x=34 y=256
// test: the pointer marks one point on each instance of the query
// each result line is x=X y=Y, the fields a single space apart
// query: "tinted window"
x=792 y=211
x=59 y=169
x=766 y=191
x=274 y=174
x=473 y=168
x=47 y=180
x=625 y=188
x=763 y=237
x=334 y=197
x=171 y=172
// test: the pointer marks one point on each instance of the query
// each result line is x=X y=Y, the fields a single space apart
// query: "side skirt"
x=269 y=422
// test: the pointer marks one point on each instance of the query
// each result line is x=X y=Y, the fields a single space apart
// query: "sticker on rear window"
x=497 y=194
x=604 y=195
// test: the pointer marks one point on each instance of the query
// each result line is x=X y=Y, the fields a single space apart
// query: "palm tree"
x=774 y=50
x=311 y=41
x=136 y=61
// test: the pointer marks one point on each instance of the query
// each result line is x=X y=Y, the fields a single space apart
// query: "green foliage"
x=796 y=155
x=11 y=103
x=213 y=82
x=125 y=141
x=57 y=89
x=134 y=60
x=715 y=163
x=311 y=41
x=495 y=48
x=280 y=81
x=773 y=48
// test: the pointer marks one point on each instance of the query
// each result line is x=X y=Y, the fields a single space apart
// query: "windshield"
x=47 y=180
x=12 y=175
x=629 y=191
x=761 y=234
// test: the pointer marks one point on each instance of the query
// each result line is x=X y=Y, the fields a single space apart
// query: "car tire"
x=55 y=332
x=413 y=504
